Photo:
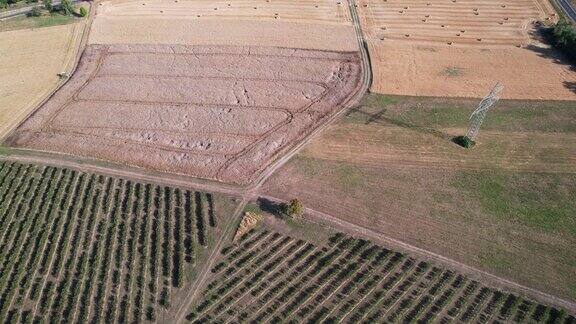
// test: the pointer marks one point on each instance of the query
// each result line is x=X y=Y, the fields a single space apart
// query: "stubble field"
x=31 y=61
x=323 y=25
x=462 y=48
x=221 y=113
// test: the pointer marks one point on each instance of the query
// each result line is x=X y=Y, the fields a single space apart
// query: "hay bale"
x=248 y=222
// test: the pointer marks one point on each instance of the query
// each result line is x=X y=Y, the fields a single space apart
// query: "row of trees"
x=66 y=8
x=74 y=243
x=564 y=37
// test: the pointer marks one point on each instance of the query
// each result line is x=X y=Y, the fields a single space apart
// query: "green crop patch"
x=543 y=201
x=24 y=22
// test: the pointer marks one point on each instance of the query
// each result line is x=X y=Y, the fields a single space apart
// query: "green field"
x=24 y=22
x=506 y=206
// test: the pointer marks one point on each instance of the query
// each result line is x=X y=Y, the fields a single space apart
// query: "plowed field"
x=221 y=113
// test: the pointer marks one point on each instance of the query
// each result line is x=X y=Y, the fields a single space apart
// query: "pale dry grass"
x=31 y=61
x=374 y=145
x=131 y=30
x=308 y=11
x=323 y=24
x=443 y=71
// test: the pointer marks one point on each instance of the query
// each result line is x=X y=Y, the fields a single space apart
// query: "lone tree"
x=294 y=208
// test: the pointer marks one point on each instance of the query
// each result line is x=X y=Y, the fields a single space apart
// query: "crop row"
x=78 y=246
x=270 y=277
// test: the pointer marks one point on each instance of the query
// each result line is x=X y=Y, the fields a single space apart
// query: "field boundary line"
x=315 y=216
x=208 y=264
x=127 y=173
x=348 y=104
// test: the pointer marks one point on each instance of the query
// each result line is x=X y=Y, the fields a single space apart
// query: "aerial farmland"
x=192 y=161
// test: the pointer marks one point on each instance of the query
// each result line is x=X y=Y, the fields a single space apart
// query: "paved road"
x=567 y=8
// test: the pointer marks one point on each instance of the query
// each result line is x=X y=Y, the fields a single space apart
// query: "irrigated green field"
x=271 y=277
x=83 y=247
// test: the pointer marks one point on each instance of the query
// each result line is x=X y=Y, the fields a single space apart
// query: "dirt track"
x=228 y=128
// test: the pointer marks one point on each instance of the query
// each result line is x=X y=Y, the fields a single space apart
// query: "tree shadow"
x=269 y=206
x=552 y=54
x=544 y=35
x=570 y=86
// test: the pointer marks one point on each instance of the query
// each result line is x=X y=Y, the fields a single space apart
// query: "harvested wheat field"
x=310 y=11
x=222 y=113
x=456 y=48
x=323 y=25
x=530 y=73
x=31 y=61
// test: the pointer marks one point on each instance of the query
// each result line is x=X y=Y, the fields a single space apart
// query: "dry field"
x=505 y=207
x=461 y=48
x=221 y=113
x=323 y=25
x=306 y=11
x=31 y=60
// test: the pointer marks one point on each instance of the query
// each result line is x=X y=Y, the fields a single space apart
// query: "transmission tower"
x=478 y=115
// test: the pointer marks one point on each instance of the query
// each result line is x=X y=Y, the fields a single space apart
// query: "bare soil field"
x=31 y=61
x=221 y=113
x=505 y=206
x=323 y=25
x=461 y=48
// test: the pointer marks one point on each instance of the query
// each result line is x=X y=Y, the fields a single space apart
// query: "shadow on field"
x=270 y=206
x=570 y=86
x=553 y=55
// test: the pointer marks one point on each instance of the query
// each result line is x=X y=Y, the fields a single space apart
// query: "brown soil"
x=221 y=113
